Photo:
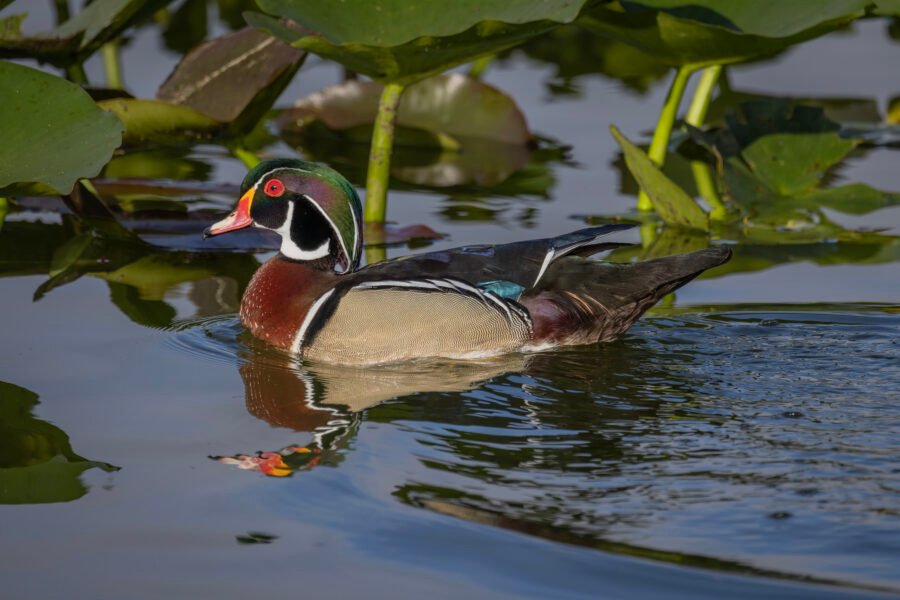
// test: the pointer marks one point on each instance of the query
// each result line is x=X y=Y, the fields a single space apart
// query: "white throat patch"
x=292 y=250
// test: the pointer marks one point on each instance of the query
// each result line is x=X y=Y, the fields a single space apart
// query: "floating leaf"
x=670 y=201
x=469 y=131
x=160 y=122
x=99 y=22
x=406 y=42
x=454 y=105
x=41 y=111
x=222 y=77
x=789 y=148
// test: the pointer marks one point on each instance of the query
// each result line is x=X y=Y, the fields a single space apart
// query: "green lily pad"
x=41 y=111
x=789 y=148
x=99 y=22
x=773 y=158
x=161 y=122
x=769 y=18
x=396 y=22
x=222 y=77
x=707 y=33
x=672 y=204
x=404 y=42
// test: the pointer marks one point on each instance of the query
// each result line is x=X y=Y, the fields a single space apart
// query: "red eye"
x=274 y=188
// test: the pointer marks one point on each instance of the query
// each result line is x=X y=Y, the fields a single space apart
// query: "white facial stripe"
x=297 y=344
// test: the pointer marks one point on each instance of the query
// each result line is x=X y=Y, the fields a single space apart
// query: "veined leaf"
x=401 y=42
x=41 y=113
x=672 y=204
x=221 y=77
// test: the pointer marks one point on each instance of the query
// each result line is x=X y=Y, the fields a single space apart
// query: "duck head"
x=314 y=209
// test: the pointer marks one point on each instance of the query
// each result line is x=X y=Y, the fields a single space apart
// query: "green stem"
x=62 y=11
x=249 y=158
x=76 y=74
x=706 y=185
x=4 y=208
x=696 y=115
x=480 y=65
x=660 y=142
x=380 y=154
x=111 y=65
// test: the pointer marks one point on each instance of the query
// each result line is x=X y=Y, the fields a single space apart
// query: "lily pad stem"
x=248 y=157
x=696 y=115
x=480 y=65
x=111 y=65
x=660 y=142
x=380 y=154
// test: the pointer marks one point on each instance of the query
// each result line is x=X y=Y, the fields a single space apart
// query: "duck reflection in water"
x=328 y=400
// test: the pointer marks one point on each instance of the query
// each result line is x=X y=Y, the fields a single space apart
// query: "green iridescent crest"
x=332 y=193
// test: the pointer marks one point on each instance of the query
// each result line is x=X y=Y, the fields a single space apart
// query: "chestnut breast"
x=279 y=296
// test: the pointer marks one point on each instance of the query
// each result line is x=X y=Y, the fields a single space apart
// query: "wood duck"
x=313 y=299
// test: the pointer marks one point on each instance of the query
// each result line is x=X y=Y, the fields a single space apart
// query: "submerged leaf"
x=41 y=112
x=670 y=201
x=222 y=77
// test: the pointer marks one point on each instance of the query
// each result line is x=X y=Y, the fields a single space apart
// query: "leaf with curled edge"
x=223 y=77
x=710 y=32
x=42 y=112
x=405 y=42
x=470 y=131
x=99 y=22
x=671 y=202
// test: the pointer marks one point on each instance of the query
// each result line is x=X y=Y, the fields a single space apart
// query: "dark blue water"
x=743 y=441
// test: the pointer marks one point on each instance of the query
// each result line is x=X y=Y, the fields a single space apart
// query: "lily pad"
x=41 y=111
x=99 y=22
x=404 y=42
x=669 y=200
x=789 y=148
x=707 y=33
x=769 y=18
x=454 y=105
x=396 y=22
x=222 y=77
x=161 y=122
x=463 y=131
